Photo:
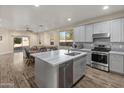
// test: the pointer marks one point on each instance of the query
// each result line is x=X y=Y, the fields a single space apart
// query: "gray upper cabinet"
x=89 y=32
x=114 y=27
x=117 y=30
x=82 y=34
x=116 y=63
x=79 y=34
x=102 y=27
x=122 y=30
x=97 y=28
x=76 y=34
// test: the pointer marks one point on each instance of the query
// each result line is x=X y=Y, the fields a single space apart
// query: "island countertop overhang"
x=57 y=57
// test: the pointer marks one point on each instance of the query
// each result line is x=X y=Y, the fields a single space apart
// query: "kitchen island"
x=60 y=68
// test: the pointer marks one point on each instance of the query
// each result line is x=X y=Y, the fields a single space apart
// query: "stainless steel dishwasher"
x=66 y=74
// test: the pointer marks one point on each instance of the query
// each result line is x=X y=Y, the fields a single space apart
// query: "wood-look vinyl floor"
x=15 y=74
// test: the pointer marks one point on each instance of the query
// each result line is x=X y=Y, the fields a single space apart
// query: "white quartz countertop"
x=116 y=52
x=57 y=57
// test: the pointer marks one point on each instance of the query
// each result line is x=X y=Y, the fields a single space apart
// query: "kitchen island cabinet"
x=55 y=69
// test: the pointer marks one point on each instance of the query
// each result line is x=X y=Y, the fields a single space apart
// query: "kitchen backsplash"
x=88 y=45
x=79 y=45
x=84 y=45
x=117 y=46
x=114 y=46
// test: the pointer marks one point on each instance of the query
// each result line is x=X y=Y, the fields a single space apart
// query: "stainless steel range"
x=100 y=51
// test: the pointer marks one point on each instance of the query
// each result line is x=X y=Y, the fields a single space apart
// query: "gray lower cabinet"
x=117 y=63
x=66 y=74
x=79 y=66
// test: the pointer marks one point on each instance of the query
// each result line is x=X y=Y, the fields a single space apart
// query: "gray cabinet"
x=114 y=27
x=123 y=30
x=79 y=34
x=79 y=66
x=97 y=28
x=102 y=27
x=116 y=30
x=89 y=32
x=82 y=34
x=66 y=74
x=117 y=63
x=76 y=34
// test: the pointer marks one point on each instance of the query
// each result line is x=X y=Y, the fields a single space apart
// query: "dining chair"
x=28 y=58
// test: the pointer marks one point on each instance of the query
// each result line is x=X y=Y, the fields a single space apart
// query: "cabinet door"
x=79 y=34
x=89 y=32
x=76 y=34
x=79 y=66
x=82 y=34
x=102 y=27
x=123 y=30
x=116 y=63
x=76 y=70
x=97 y=28
x=83 y=66
x=116 y=30
x=106 y=27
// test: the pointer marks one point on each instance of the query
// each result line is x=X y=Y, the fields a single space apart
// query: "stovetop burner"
x=102 y=49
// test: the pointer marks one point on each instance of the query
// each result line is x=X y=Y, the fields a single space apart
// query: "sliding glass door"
x=20 y=43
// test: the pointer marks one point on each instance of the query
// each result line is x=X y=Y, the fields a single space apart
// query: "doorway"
x=20 y=42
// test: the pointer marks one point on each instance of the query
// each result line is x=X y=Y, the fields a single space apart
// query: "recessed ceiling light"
x=105 y=7
x=69 y=19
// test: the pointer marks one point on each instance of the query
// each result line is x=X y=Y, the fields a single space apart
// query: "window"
x=21 y=41
x=66 y=38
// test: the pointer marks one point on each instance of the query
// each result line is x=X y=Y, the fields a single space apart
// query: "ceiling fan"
x=28 y=28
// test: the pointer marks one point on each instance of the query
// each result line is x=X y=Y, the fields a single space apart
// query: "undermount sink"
x=73 y=53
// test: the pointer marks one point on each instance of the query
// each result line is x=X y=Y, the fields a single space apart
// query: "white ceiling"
x=50 y=17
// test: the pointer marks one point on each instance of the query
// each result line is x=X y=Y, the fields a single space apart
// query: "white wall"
x=32 y=36
x=45 y=38
x=6 y=45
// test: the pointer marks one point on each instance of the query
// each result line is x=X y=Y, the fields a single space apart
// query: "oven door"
x=101 y=58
